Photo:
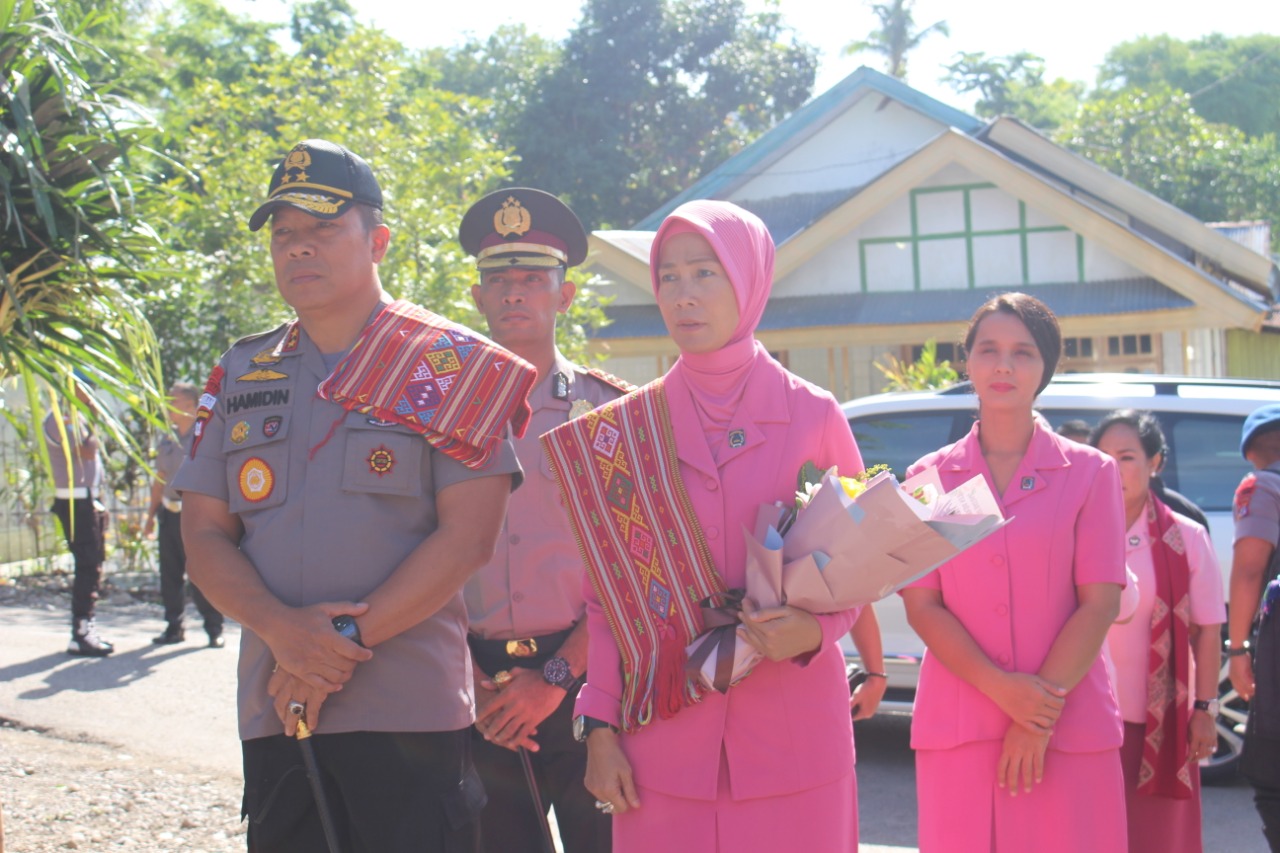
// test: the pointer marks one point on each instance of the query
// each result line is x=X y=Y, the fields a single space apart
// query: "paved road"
x=175 y=705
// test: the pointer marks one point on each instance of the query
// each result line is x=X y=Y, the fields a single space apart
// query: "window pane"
x=898 y=440
x=1204 y=458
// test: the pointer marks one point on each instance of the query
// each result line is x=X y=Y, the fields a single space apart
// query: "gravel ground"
x=60 y=793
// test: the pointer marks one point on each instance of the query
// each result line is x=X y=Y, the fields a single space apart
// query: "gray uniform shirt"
x=83 y=473
x=533 y=584
x=1257 y=511
x=169 y=455
x=331 y=503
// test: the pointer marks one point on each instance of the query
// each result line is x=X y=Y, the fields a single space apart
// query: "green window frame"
x=915 y=238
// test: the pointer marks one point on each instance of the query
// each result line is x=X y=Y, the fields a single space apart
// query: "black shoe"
x=172 y=634
x=85 y=641
x=216 y=641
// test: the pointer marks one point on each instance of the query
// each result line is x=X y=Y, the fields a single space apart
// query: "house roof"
x=1069 y=299
x=803 y=124
x=1252 y=269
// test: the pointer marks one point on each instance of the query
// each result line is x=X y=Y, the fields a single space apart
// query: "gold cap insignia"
x=295 y=165
x=512 y=219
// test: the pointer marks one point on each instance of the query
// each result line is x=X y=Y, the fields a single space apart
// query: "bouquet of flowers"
x=843 y=542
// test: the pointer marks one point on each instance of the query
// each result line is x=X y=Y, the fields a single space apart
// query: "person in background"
x=1254 y=587
x=660 y=485
x=1167 y=656
x=348 y=474
x=1015 y=726
x=77 y=479
x=528 y=632
x=1076 y=430
x=166 y=506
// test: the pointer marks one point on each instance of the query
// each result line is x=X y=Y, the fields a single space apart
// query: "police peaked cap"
x=522 y=227
x=319 y=178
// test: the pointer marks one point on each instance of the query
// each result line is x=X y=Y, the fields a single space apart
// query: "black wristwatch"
x=583 y=726
x=347 y=627
x=556 y=671
x=1231 y=652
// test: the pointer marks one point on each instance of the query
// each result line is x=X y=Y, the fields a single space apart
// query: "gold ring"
x=502 y=678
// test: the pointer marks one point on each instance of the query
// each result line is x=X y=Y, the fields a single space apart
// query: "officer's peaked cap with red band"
x=523 y=228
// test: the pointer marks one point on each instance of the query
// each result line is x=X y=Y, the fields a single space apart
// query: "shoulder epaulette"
x=612 y=381
x=257 y=336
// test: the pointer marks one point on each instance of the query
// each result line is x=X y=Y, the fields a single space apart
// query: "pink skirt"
x=1079 y=805
x=1158 y=824
x=819 y=820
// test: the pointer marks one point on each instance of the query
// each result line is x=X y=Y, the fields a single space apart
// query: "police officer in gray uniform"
x=166 y=508
x=1255 y=585
x=528 y=635
x=77 y=481
x=340 y=540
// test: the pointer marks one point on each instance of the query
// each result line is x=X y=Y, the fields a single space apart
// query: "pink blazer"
x=786 y=727
x=1015 y=590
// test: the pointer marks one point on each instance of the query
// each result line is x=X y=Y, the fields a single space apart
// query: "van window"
x=899 y=439
x=1204 y=458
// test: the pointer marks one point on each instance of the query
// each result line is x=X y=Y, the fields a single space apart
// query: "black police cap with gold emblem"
x=319 y=178
x=522 y=227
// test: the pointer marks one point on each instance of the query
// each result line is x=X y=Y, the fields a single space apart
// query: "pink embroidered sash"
x=457 y=388
x=1165 y=771
x=644 y=550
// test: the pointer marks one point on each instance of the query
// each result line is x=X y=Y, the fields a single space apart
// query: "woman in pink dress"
x=1168 y=701
x=767 y=765
x=1015 y=726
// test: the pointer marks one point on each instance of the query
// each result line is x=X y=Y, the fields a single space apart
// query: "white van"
x=1201 y=419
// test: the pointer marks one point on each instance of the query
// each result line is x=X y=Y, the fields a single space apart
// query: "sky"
x=1073 y=37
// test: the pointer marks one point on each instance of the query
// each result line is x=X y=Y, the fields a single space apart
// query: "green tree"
x=649 y=94
x=362 y=89
x=1232 y=81
x=1157 y=141
x=78 y=246
x=1015 y=86
x=923 y=374
x=896 y=37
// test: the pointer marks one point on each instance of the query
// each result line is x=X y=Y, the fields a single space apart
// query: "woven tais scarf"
x=644 y=550
x=455 y=387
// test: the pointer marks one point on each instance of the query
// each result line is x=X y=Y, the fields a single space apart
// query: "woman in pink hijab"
x=767 y=765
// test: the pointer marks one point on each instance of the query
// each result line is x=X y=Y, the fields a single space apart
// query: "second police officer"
x=528 y=635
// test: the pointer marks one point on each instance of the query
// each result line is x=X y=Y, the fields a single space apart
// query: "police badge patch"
x=381 y=460
x=256 y=480
x=271 y=426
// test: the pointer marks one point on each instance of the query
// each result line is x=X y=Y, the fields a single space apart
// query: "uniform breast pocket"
x=383 y=461
x=257 y=461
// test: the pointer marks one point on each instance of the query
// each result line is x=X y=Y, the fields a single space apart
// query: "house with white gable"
x=896 y=216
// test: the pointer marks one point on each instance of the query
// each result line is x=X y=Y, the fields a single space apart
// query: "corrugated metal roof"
x=1253 y=235
x=1068 y=299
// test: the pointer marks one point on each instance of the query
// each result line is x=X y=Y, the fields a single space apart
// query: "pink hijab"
x=718 y=380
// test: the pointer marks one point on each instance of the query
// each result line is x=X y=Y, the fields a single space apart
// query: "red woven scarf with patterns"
x=455 y=387
x=1165 y=770
x=644 y=550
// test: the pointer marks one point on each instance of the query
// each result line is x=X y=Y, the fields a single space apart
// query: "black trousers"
x=509 y=823
x=173 y=573
x=388 y=792
x=1260 y=760
x=85 y=529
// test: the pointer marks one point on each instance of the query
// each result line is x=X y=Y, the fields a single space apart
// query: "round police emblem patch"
x=256 y=480
x=381 y=460
x=580 y=408
x=240 y=432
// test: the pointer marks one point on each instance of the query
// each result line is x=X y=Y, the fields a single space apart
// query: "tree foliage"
x=647 y=95
x=924 y=374
x=897 y=35
x=1157 y=141
x=79 y=245
x=1015 y=86
x=1233 y=81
